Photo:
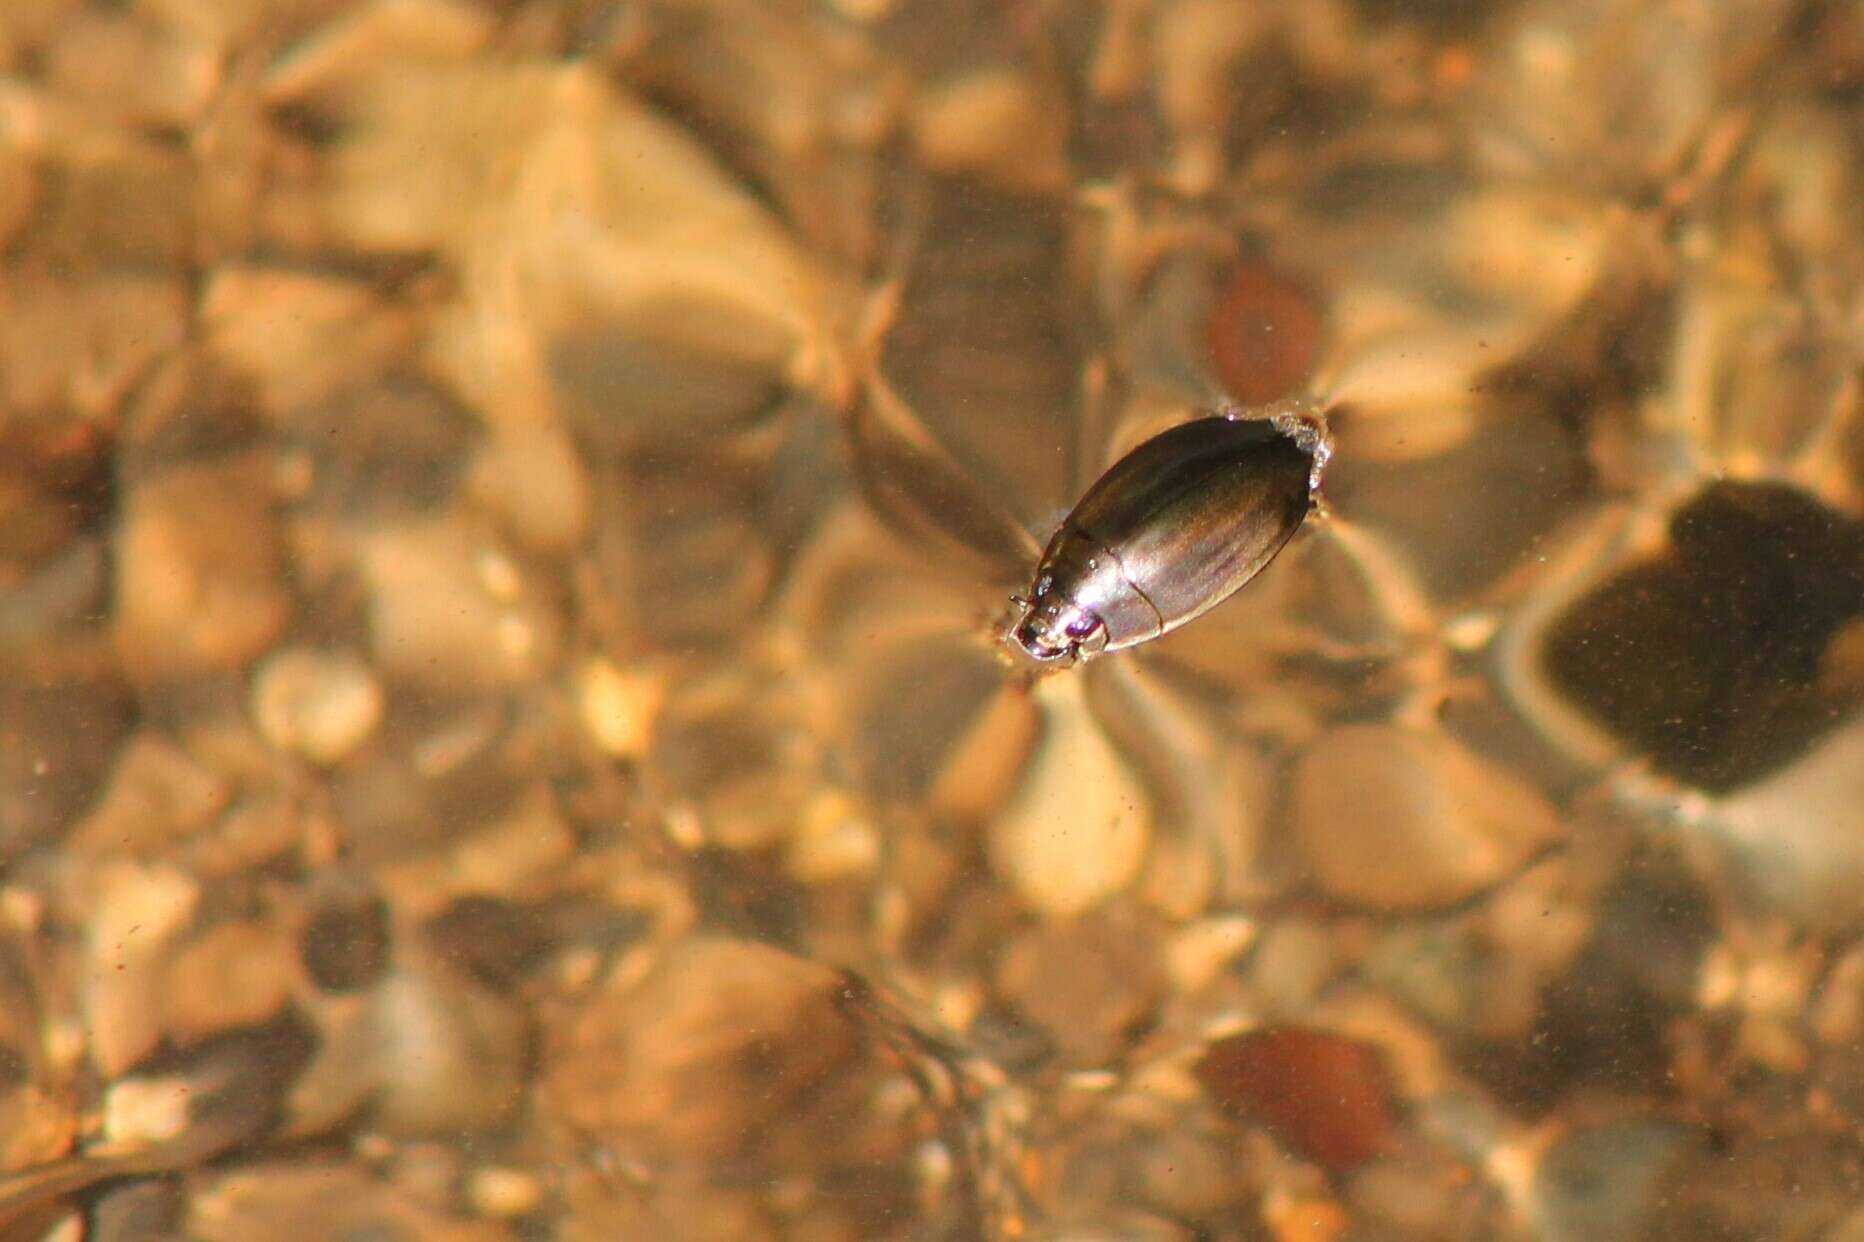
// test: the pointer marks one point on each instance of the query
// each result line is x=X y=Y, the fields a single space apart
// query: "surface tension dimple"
x=1170 y=531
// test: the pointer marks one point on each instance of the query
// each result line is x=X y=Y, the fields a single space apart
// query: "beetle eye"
x=1083 y=625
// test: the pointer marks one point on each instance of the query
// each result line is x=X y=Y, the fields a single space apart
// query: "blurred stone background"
x=505 y=507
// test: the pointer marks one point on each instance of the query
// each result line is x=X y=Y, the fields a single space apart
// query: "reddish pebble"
x=1262 y=333
x=1321 y=1095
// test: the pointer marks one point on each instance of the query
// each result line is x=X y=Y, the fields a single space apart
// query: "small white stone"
x=504 y=1193
x=140 y=1111
x=319 y=704
x=618 y=706
x=833 y=841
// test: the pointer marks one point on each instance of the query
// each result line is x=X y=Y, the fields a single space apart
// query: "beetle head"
x=1053 y=628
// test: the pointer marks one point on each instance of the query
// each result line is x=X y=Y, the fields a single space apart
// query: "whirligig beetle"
x=1171 y=530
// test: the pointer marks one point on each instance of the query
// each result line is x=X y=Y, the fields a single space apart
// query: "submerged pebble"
x=320 y=704
x=1398 y=818
x=1327 y=1097
x=234 y=975
x=445 y=1054
x=200 y=582
x=1077 y=828
x=449 y=611
x=647 y=1066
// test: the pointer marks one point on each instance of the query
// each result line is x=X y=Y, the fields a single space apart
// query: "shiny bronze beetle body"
x=1170 y=531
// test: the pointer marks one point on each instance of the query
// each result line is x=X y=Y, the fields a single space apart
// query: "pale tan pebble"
x=57 y=745
x=131 y=69
x=1538 y=919
x=1181 y=876
x=219 y=732
x=298 y=336
x=529 y=841
x=530 y=475
x=373 y=33
x=499 y=575
x=1397 y=818
x=64 y=1042
x=618 y=705
x=254 y=832
x=933 y=1166
x=864 y=10
x=156 y=794
x=733 y=764
x=126 y=201
x=22 y=908
x=1416 y=1193
x=200 y=577
x=982 y=766
x=1615 y=91
x=1841 y=667
x=456 y=740
x=430 y=1172
x=313 y=1197
x=341 y=1076
x=1537 y=249
x=1184 y=1171
x=1292 y=964
x=444 y=1052
x=583 y=223
x=1197 y=44
x=1414 y=386
x=1798 y=834
x=1837 y=1013
x=1775 y=1045
x=1801 y=161
x=996 y=124
x=37 y=1124
x=440 y=620
x=136 y=910
x=1121 y=64
x=68 y=1227
x=1087 y=983
x=19 y=190
x=834 y=840
x=319 y=704
x=661 y=1064
x=29 y=120
x=576 y=968
x=84 y=342
x=504 y=1193
x=1771 y=978
x=1077 y=830
x=141 y=1111
x=1718 y=978
x=225 y=25
x=235 y=975
x=1198 y=953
